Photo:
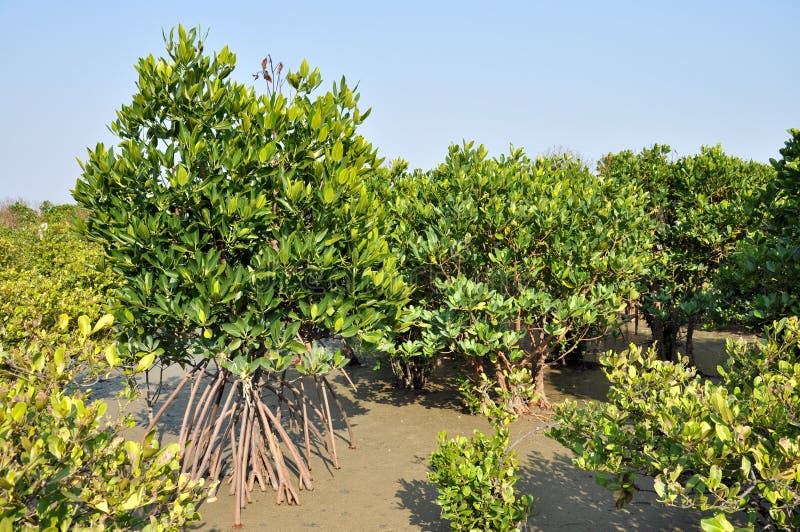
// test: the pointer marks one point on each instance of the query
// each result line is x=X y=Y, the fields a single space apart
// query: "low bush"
x=476 y=477
x=46 y=270
x=725 y=447
x=62 y=465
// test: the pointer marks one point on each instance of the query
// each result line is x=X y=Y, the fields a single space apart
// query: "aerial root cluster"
x=256 y=429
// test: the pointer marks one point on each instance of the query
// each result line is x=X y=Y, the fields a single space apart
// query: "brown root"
x=256 y=431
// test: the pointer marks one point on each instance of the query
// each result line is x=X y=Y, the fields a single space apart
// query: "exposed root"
x=256 y=431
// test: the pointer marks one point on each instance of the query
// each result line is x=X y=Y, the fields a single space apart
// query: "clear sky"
x=592 y=76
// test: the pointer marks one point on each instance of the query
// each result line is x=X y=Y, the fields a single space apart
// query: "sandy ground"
x=382 y=484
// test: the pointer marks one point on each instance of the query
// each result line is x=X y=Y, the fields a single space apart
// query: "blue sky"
x=592 y=77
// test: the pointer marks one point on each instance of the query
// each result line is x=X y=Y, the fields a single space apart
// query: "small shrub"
x=476 y=477
x=413 y=354
x=727 y=447
x=60 y=469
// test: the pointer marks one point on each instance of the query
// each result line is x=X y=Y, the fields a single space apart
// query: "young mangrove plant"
x=245 y=236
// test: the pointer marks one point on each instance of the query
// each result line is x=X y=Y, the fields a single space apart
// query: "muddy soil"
x=382 y=483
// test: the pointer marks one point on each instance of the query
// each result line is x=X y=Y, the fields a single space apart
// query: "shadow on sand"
x=568 y=498
x=419 y=497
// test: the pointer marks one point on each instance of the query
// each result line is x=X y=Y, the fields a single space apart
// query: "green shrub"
x=47 y=270
x=411 y=357
x=245 y=236
x=700 y=205
x=59 y=468
x=762 y=281
x=476 y=477
x=727 y=447
x=541 y=249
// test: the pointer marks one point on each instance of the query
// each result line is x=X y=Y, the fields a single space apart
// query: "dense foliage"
x=727 y=446
x=245 y=235
x=761 y=284
x=240 y=214
x=519 y=256
x=61 y=466
x=700 y=205
x=46 y=270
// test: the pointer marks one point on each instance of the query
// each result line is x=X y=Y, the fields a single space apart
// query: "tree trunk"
x=515 y=401
x=540 y=365
x=664 y=334
x=411 y=373
x=690 y=327
x=500 y=377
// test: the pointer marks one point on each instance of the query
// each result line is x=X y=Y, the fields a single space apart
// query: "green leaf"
x=660 y=487
x=327 y=194
x=112 y=355
x=18 y=411
x=746 y=466
x=58 y=358
x=133 y=501
x=181 y=176
x=718 y=523
x=337 y=152
x=103 y=323
x=723 y=433
x=84 y=325
x=145 y=363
